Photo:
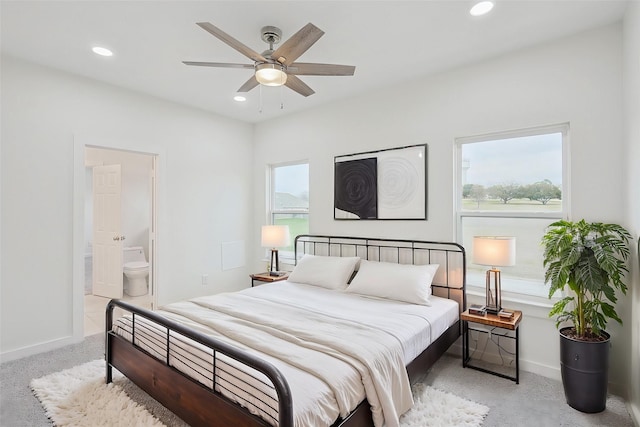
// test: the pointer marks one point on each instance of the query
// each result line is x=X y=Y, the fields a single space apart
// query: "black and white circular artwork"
x=386 y=184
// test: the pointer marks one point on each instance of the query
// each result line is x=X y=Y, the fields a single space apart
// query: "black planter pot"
x=585 y=372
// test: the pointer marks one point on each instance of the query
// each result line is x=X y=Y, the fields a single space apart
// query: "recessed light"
x=481 y=8
x=102 y=51
x=239 y=98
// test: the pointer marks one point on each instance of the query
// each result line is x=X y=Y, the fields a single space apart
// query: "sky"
x=292 y=179
x=522 y=160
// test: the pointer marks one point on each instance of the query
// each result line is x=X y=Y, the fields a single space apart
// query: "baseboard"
x=552 y=372
x=38 y=348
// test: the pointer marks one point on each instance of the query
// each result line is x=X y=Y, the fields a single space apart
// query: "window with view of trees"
x=289 y=200
x=512 y=184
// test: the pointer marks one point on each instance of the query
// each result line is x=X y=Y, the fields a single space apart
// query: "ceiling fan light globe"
x=270 y=75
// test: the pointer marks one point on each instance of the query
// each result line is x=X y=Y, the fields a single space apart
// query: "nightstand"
x=506 y=328
x=266 y=278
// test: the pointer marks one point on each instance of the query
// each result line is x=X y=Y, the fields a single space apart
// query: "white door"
x=107 y=240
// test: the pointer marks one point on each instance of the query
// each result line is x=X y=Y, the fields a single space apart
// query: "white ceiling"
x=387 y=41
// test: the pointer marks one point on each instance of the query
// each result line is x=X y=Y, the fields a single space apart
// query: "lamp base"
x=274 y=268
x=493 y=293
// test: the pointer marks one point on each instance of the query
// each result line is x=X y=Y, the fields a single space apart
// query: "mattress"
x=411 y=327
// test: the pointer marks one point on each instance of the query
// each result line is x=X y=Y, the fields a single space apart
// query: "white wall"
x=207 y=194
x=631 y=84
x=575 y=80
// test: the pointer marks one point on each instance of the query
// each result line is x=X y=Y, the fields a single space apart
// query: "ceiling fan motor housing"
x=271 y=35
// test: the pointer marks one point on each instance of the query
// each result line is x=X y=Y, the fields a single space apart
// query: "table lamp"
x=495 y=252
x=275 y=236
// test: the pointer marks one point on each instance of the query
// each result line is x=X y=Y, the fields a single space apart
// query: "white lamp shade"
x=275 y=236
x=494 y=251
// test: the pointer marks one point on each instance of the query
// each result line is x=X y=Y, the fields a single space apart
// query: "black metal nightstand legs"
x=466 y=358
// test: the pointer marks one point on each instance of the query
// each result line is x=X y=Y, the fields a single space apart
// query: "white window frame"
x=530 y=291
x=286 y=256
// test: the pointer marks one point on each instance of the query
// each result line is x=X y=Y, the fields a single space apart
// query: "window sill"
x=532 y=305
x=533 y=300
x=286 y=264
x=516 y=288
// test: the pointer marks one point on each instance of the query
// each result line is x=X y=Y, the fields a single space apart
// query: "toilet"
x=135 y=269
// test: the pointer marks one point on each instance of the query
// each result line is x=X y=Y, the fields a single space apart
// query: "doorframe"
x=158 y=220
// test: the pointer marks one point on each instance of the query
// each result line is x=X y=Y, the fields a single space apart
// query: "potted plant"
x=590 y=260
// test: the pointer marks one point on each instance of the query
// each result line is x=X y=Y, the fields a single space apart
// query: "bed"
x=334 y=352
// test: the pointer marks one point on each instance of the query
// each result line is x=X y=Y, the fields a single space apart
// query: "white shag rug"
x=436 y=408
x=79 y=397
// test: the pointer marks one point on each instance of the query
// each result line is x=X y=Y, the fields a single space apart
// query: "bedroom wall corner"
x=631 y=84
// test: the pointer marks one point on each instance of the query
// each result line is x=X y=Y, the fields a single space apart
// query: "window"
x=512 y=184
x=289 y=200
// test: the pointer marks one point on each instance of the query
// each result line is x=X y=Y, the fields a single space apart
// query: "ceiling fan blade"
x=298 y=85
x=217 y=64
x=249 y=84
x=237 y=45
x=297 y=44
x=308 y=69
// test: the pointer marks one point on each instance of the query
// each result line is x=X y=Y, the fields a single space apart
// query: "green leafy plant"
x=590 y=259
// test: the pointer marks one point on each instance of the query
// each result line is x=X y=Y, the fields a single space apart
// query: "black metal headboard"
x=449 y=281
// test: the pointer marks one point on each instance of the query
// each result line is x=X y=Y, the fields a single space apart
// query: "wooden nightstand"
x=509 y=329
x=266 y=278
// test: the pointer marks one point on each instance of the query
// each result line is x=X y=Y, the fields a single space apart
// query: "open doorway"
x=148 y=240
x=118 y=237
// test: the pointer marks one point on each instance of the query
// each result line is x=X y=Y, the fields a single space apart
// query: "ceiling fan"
x=277 y=67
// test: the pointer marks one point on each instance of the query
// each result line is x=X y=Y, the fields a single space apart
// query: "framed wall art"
x=383 y=184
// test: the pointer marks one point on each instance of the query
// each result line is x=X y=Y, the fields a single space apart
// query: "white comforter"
x=348 y=344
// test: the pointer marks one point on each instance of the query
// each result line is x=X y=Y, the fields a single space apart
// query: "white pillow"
x=401 y=282
x=326 y=271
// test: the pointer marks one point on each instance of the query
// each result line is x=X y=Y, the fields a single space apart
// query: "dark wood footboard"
x=195 y=404
x=187 y=398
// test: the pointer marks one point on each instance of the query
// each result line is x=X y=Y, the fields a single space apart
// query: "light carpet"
x=79 y=397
